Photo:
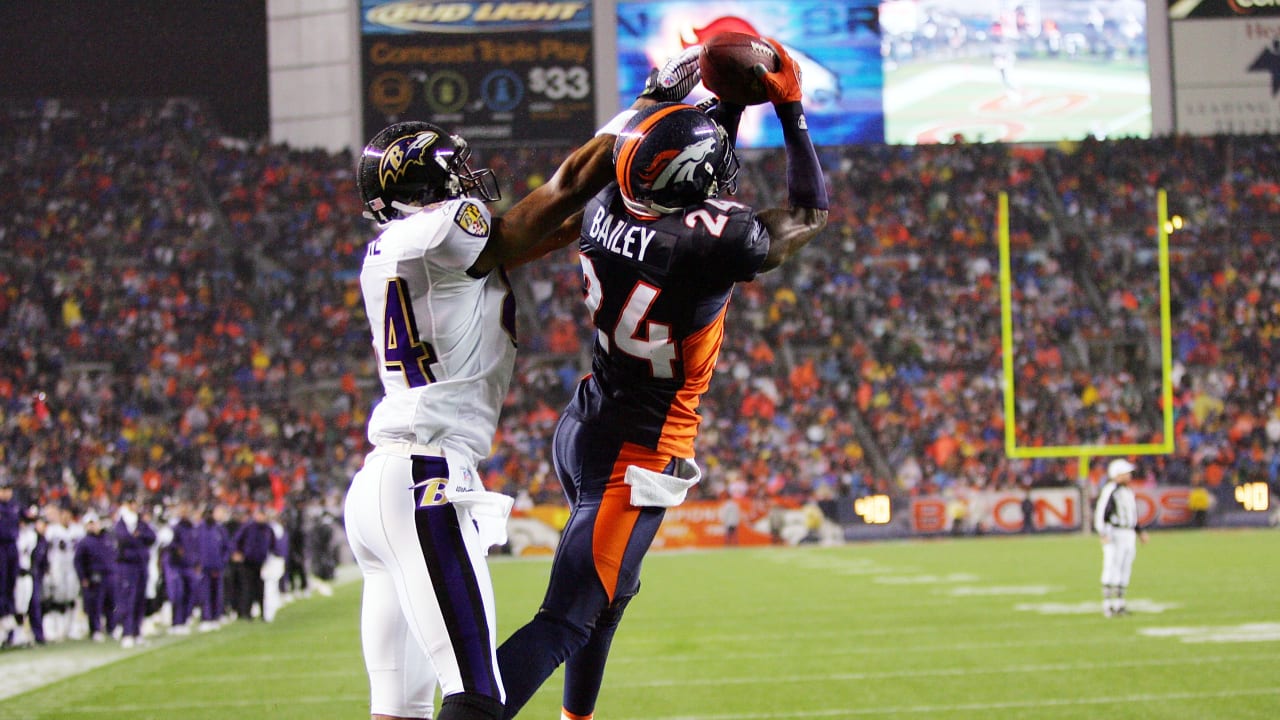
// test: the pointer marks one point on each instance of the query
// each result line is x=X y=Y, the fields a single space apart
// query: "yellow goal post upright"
x=1084 y=452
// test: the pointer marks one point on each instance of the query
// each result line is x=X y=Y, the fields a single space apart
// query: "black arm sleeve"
x=729 y=115
x=805 y=185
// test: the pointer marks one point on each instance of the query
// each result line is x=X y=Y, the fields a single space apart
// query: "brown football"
x=727 y=61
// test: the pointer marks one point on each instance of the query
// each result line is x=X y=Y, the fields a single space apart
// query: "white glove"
x=676 y=78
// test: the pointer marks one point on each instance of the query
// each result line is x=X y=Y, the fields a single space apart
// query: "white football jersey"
x=27 y=539
x=444 y=341
x=61 y=582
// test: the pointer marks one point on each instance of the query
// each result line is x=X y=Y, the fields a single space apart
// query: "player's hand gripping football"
x=676 y=78
x=783 y=85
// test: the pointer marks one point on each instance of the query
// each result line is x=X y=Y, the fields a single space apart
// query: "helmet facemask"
x=480 y=183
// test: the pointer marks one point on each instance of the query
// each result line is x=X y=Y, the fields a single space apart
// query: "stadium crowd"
x=180 y=320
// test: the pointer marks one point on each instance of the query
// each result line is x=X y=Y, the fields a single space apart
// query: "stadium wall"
x=700 y=523
x=313 y=65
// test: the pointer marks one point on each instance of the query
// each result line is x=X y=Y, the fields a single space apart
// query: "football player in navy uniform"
x=250 y=546
x=10 y=512
x=214 y=543
x=181 y=568
x=660 y=254
x=95 y=563
x=134 y=537
x=441 y=316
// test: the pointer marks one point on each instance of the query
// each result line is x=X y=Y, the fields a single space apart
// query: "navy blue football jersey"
x=657 y=291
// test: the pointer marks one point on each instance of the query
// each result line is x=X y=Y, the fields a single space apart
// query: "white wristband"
x=614 y=126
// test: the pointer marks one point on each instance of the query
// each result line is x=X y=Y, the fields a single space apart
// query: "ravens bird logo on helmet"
x=406 y=150
x=410 y=165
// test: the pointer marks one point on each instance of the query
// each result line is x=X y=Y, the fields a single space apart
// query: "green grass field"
x=977 y=628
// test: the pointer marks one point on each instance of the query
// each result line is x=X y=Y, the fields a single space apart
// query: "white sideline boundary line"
x=24 y=670
x=30 y=669
x=231 y=703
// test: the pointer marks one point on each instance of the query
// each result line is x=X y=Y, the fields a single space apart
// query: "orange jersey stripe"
x=699 y=352
x=617 y=517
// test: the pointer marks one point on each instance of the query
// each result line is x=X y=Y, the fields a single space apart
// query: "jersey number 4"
x=632 y=334
x=401 y=349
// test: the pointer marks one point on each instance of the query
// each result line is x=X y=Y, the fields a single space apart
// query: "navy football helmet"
x=409 y=165
x=670 y=156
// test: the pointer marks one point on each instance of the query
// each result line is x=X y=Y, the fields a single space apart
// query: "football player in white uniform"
x=62 y=586
x=442 y=318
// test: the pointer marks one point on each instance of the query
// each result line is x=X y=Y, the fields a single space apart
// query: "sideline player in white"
x=1116 y=520
x=62 y=585
x=442 y=317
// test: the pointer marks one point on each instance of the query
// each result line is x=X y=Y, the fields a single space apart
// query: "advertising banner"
x=1052 y=509
x=903 y=71
x=1015 y=71
x=1183 y=9
x=700 y=523
x=837 y=45
x=494 y=72
x=708 y=523
x=1226 y=75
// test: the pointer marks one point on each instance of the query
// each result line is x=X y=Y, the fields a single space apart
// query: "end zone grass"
x=975 y=628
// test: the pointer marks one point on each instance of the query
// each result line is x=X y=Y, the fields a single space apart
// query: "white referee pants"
x=1117 y=557
x=418 y=572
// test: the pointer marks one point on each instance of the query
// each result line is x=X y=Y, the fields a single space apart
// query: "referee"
x=1116 y=520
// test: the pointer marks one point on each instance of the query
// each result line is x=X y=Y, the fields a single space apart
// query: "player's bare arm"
x=789 y=230
x=558 y=238
x=805 y=216
x=525 y=232
x=584 y=173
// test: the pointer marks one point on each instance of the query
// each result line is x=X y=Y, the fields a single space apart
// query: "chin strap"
x=404 y=209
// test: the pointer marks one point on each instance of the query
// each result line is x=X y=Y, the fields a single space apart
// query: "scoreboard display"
x=909 y=72
x=494 y=72
x=1253 y=496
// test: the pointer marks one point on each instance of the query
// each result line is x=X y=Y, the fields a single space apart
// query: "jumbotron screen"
x=925 y=71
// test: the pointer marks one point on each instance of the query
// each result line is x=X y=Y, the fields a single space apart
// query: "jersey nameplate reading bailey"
x=615 y=234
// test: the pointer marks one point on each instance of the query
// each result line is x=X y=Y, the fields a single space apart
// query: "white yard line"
x=944 y=710
x=863 y=711
x=941 y=672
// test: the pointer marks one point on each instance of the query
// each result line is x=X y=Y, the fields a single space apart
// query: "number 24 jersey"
x=657 y=291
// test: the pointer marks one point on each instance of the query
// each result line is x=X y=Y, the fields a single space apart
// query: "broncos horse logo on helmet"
x=410 y=165
x=670 y=156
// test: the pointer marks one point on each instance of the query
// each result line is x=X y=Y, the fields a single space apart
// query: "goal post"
x=1084 y=452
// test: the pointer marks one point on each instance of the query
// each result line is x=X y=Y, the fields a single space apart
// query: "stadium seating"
x=180 y=315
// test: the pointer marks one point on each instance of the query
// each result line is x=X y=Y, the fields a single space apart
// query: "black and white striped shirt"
x=1117 y=509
